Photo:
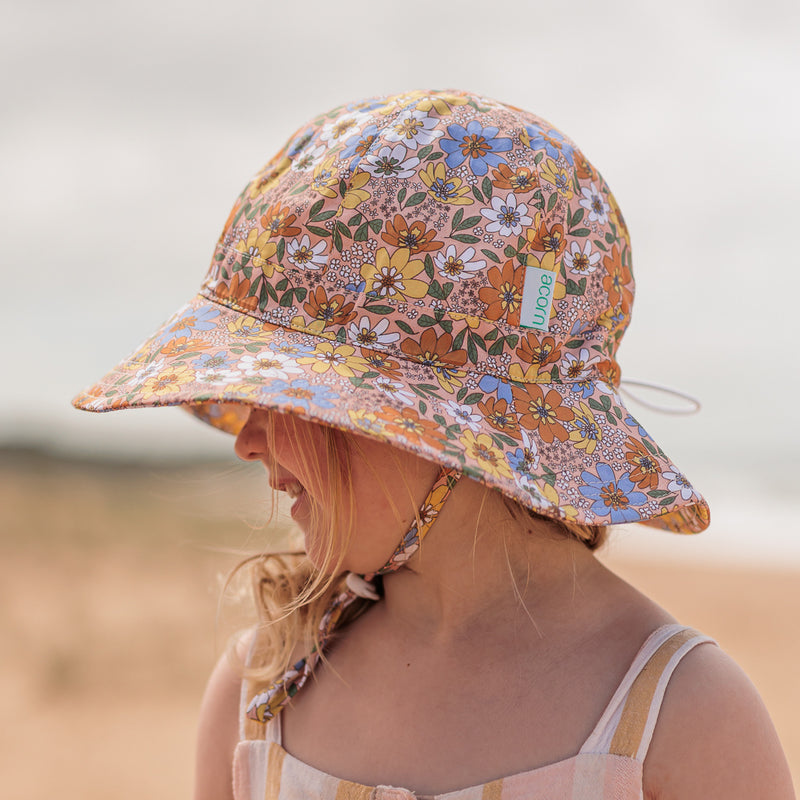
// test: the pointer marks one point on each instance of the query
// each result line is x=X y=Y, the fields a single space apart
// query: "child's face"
x=388 y=485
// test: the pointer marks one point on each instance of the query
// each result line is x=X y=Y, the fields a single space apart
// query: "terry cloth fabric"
x=609 y=765
x=440 y=271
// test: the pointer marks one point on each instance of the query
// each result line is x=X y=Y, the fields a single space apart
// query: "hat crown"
x=439 y=227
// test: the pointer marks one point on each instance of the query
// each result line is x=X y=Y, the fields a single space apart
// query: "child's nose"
x=251 y=442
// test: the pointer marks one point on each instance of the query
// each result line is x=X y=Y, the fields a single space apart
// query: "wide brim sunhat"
x=439 y=271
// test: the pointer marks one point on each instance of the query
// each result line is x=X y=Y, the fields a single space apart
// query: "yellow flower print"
x=587 y=431
x=268 y=177
x=549 y=493
x=444 y=189
x=394 y=277
x=558 y=177
x=395 y=101
x=442 y=103
x=365 y=421
x=248 y=329
x=324 y=178
x=258 y=251
x=482 y=449
x=338 y=358
x=528 y=376
x=167 y=380
x=548 y=262
x=472 y=321
x=356 y=193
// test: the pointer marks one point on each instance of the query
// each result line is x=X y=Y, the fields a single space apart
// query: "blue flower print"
x=523 y=460
x=190 y=321
x=358 y=145
x=299 y=142
x=292 y=349
x=300 y=394
x=213 y=361
x=584 y=388
x=490 y=385
x=612 y=497
x=478 y=144
x=552 y=142
x=632 y=423
x=357 y=287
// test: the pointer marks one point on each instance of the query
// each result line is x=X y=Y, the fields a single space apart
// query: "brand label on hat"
x=537 y=298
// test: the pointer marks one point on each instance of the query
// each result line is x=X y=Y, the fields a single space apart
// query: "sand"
x=109 y=587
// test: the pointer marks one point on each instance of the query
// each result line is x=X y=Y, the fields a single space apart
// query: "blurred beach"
x=113 y=616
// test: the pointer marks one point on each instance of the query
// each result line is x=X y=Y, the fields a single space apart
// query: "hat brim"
x=216 y=361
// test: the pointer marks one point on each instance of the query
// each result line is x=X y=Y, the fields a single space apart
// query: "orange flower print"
x=500 y=416
x=380 y=362
x=609 y=371
x=504 y=297
x=644 y=466
x=331 y=310
x=617 y=281
x=180 y=344
x=488 y=456
x=539 y=352
x=583 y=169
x=238 y=290
x=279 y=222
x=437 y=353
x=547 y=239
x=518 y=181
x=542 y=412
x=407 y=423
x=414 y=237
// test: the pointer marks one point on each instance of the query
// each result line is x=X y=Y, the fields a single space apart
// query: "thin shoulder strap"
x=627 y=725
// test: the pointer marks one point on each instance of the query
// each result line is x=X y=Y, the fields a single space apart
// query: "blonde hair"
x=291 y=594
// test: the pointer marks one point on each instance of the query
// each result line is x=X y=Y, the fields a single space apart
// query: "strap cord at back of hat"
x=265 y=705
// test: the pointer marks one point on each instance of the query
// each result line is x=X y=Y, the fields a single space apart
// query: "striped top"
x=609 y=765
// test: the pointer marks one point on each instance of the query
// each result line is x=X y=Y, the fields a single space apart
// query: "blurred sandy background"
x=110 y=621
x=127 y=131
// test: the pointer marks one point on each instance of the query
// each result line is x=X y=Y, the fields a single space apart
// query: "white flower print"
x=302 y=255
x=390 y=162
x=364 y=335
x=464 y=415
x=413 y=129
x=453 y=267
x=506 y=216
x=594 y=203
x=581 y=261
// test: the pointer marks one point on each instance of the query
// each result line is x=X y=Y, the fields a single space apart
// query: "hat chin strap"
x=265 y=705
x=362 y=586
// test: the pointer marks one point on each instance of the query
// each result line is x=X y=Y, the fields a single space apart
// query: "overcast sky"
x=129 y=128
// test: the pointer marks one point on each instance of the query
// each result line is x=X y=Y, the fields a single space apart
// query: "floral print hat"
x=440 y=271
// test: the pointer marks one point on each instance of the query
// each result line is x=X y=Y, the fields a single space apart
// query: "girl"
x=411 y=319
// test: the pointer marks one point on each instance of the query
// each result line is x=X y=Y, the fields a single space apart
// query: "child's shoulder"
x=714 y=737
x=219 y=724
